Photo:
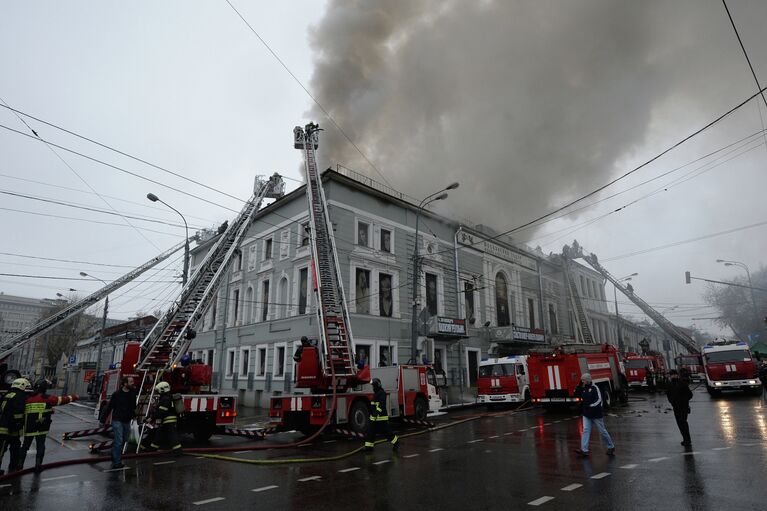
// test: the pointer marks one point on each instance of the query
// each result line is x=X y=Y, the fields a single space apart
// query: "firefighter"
x=12 y=422
x=165 y=414
x=38 y=412
x=379 y=419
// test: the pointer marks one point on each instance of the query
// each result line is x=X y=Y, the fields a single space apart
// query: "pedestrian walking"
x=650 y=379
x=38 y=416
x=679 y=395
x=166 y=434
x=122 y=406
x=379 y=419
x=591 y=411
x=12 y=422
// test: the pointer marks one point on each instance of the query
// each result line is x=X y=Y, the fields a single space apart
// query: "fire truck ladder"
x=15 y=343
x=335 y=328
x=582 y=326
x=665 y=325
x=171 y=336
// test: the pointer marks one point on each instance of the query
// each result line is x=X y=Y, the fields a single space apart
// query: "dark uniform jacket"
x=679 y=394
x=12 y=413
x=591 y=400
x=38 y=412
x=378 y=410
x=166 y=411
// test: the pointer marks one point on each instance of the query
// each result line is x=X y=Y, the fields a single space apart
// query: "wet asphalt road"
x=504 y=461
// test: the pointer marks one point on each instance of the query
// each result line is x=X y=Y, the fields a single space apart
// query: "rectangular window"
x=261 y=361
x=230 y=362
x=210 y=358
x=431 y=294
x=584 y=291
x=363 y=354
x=214 y=311
x=531 y=312
x=268 y=249
x=384 y=355
x=304 y=234
x=362 y=287
x=385 y=301
x=303 y=289
x=236 y=300
x=280 y=361
x=553 y=320
x=265 y=300
x=244 y=362
x=468 y=293
x=385 y=240
x=363 y=234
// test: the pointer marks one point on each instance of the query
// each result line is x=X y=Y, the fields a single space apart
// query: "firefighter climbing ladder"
x=335 y=327
x=15 y=343
x=667 y=326
x=171 y=336
x=582 y=326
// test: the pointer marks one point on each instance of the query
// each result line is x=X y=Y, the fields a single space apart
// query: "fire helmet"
x=41 y=385
x=21 y=384
x=376 y=383
x=162 y=387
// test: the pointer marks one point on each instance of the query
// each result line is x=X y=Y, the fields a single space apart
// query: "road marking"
x=215 y=437
x=305 y=445
x=56 y=478
x=310 y=478
x=329 y=441
x=494 y=436
x=571 y=487
x=208 y=501
x=164 y=462
x=436 y=449
x=116 y=469
x=690 y=453
x=475 y=441
x=656 y=460
x=352 y=469
x=241 y=452
x=749 y=445
x=4 y=485
x=720 y=448
x=547 y=423
x=538 y=502
x=600 y=475
x=264 y=488
x=509 y=433
x=411 y=455
x=630 y=467
x=381 y=462
x=557 y=422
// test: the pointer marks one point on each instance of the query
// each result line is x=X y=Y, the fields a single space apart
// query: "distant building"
x=17 y=314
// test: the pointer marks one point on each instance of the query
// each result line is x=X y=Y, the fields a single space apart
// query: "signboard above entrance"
x=498 y=251
x=447 y=327
x=517 y=334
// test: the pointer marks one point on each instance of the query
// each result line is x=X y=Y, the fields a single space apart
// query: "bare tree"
x=62 y=339
x=739 y=309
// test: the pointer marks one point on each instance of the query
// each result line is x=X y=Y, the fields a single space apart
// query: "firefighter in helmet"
x=38 y=412
x=379 y=418
x=12 y=422
x=165 y=414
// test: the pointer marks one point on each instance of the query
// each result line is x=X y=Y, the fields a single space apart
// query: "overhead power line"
x=745 y=53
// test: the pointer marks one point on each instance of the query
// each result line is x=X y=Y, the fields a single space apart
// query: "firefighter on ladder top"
x=379 y=419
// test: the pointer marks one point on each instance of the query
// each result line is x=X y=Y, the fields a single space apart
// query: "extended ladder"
x=582 y=326
x=337 y=355
x=667 y=326
x=171 y=336
x=9 y=346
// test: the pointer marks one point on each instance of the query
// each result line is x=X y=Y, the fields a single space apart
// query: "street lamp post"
x=615 y=296
x=101 y=337
x=750 y=284
x=439 y=195
x=154 y=198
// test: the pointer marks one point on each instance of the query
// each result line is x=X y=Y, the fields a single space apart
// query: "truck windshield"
x=497 y=370
x=729 y=356
x=637 y=364
x=690 y=361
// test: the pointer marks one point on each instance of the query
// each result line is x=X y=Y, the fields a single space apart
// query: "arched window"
x=501 y=300
x=282 y=298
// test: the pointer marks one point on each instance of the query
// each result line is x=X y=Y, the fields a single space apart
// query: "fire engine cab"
x=554 y=373
x=503 y=380
x=728 y=365
x=638 y=365
x=692 y=364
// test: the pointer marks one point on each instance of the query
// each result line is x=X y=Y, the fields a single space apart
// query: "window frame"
x=261 y=358
x=369 y=224
x=244 y=361
x=231 y=362
x=275 y=362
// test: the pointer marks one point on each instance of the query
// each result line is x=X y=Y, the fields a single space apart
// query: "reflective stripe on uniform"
x=369 y=444
x=379 y=418
x=394 y=440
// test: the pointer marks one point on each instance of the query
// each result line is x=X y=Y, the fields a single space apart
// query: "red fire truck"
x=503 y=380
x=412 y=391
x=637 y=366
x=728 y=365
x=693 y=364
x=554 y=373
x=204 y=411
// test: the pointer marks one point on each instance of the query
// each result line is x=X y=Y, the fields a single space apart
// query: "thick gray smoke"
x=526 y=103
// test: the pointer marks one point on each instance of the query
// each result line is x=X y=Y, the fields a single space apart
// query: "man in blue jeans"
x=591 y=410
x=122 y=405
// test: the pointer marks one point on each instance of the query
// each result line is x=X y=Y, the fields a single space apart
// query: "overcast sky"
x=527 y=104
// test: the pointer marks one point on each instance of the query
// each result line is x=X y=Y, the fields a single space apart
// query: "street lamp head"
x=152 y=197
x=452 y=186
x=83 y=274
x=729 y=264
x=441 y=197
x=720 y=260
x=634 y=274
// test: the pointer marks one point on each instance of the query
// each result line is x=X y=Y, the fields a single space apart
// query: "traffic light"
x=687 y=278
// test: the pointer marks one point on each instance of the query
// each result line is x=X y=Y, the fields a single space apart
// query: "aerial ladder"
x=582 y=326
x=576 y=251
x=336 y=342
x=15 y=343
x=172 y=335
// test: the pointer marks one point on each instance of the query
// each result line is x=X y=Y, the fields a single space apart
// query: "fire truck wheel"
x=607 y=396
x=527 y=395
x=359 y=416
x=421 y=408
x=203 y=433
x=713 y=392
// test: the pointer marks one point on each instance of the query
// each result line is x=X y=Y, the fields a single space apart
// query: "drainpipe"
x=222 y=353
x=540 y=289
x=459 y=307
